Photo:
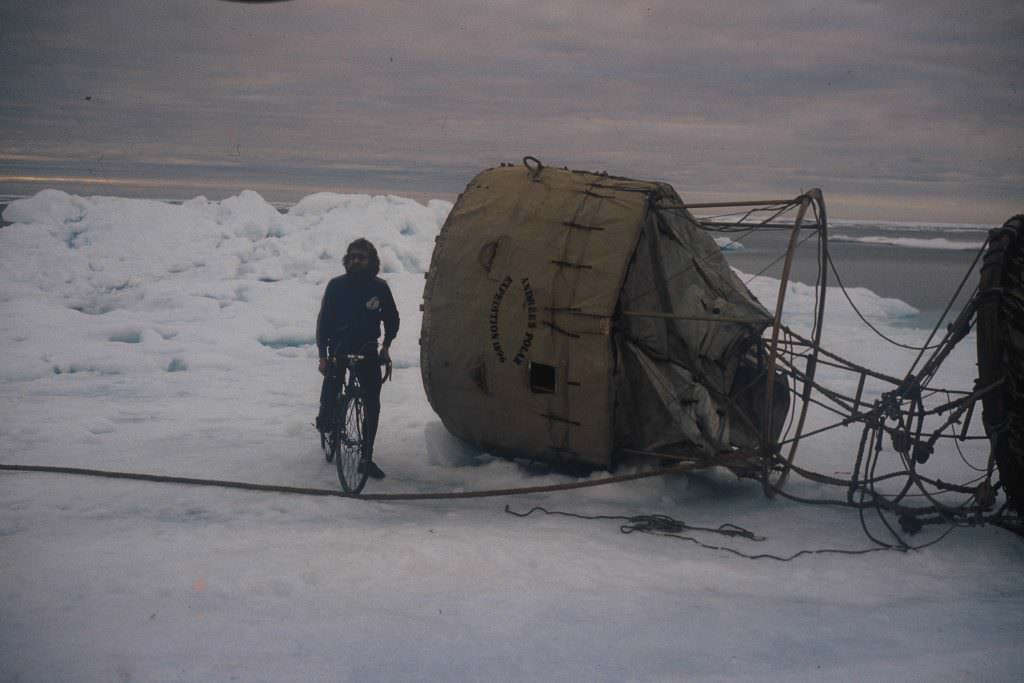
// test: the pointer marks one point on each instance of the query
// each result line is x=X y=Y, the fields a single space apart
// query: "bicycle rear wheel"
x=350 y=447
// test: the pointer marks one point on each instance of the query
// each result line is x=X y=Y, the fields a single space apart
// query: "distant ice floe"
x=728 y=244
x=939 y=243
x=801 y=298
x=910 y=226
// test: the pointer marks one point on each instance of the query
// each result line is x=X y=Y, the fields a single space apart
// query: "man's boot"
x=371 y=469
x=324 y=423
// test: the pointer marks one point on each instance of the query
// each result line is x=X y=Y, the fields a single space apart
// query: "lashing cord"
x=663 y=525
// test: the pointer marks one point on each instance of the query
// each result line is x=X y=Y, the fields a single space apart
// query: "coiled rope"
x=663 y=525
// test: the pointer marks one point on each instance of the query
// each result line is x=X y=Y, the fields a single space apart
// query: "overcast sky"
x=902 y=110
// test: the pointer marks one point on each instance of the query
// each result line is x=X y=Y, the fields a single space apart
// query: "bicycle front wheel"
x=349 y=454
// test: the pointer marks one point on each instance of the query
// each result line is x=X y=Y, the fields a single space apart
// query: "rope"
x=864 y=320
x=761 y=272
x=274 y=488
x=663 y=525
x=849 y=364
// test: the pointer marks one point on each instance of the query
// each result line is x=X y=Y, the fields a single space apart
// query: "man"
x=354 y=307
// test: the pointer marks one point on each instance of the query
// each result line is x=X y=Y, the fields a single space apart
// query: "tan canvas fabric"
x=519 y=343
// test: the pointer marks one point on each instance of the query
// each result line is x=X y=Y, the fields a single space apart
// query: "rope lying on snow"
x=663 y=525
x=273 y=488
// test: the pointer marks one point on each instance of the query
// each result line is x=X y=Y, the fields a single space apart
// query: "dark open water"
x=919 y=264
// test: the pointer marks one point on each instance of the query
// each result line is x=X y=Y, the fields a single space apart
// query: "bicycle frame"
x=349 y=381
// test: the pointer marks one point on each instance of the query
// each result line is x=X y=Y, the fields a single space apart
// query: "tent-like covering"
x=568 y=315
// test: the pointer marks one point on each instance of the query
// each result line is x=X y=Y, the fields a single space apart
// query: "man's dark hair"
x=364 y=245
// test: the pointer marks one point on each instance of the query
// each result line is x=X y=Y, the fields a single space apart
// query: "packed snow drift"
x=178 y=339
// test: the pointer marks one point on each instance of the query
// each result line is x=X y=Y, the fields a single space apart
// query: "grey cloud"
x=758 y=96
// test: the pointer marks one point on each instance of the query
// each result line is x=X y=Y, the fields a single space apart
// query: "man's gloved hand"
x=324 y=364
x=385 y=360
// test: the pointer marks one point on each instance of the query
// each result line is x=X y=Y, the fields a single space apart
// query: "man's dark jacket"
x=353 y=308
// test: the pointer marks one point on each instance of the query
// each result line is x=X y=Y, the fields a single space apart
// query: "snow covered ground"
x=177 y=339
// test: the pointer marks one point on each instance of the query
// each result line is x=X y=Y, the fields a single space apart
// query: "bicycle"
x=344 y=442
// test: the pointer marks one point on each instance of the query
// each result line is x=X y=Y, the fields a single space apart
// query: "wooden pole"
x=767 y=446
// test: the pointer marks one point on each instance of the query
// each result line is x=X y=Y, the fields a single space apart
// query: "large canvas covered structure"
x=570 y=315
